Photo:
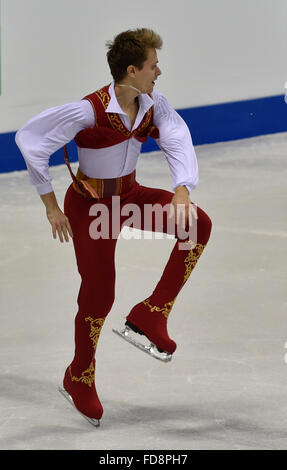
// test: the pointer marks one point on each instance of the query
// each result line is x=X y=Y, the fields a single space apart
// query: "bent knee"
x=204 y=226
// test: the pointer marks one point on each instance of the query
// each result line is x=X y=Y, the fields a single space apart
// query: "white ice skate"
x=129 y=335
x=95 y=422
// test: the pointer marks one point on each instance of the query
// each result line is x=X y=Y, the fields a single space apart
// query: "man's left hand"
x=182 y=208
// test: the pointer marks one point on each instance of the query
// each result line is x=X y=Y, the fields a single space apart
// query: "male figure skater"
x=109 y=127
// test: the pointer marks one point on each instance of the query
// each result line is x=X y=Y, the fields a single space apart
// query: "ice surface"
x=225 y=387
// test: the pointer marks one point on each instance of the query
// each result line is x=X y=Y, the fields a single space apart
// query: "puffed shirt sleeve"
x=46 y=133
x=176 y=143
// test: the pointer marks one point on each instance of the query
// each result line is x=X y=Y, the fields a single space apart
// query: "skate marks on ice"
x=200 y=423
x=31 y=415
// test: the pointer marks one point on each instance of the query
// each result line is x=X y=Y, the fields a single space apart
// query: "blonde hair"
x=130 y=48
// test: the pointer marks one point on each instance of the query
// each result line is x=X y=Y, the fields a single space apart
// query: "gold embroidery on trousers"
x=87 y=376
x=95 y=330
x=192 y=258
x=190 y=262
x=165 y=310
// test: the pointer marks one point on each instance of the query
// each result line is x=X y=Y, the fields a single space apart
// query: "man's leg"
x=95 y=260
x=150 y=316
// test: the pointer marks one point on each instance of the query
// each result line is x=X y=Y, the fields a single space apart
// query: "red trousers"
x=96 y=265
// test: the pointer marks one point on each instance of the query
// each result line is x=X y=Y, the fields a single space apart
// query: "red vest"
x=109 y=129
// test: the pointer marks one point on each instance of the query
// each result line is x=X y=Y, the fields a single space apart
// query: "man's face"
x=145 y=78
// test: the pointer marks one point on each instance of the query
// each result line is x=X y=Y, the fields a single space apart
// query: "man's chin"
x=150 y=89
x=147 y=90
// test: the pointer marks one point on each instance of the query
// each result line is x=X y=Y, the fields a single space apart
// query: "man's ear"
x=131 y=71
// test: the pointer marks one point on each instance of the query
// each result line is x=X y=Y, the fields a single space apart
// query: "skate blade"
x=152 y=350
x=95 y=422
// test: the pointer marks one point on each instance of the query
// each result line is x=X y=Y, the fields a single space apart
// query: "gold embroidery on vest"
x=165 y=310
x=145 y=123
x=95 y=330
x=115 y=120
x=117 y=124
x=87 y=377
x=104 y=97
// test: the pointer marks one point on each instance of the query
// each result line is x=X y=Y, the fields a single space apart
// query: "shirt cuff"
x=189 y=188
x=44 y=188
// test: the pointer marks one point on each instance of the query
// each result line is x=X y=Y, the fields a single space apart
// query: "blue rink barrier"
x=207 y=124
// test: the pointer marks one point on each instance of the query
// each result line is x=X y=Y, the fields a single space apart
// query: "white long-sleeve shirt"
x=50 y=130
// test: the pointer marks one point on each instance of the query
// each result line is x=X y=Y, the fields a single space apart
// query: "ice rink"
x=226 y=386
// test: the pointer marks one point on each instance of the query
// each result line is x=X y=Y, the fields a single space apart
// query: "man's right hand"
x=59 y=222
